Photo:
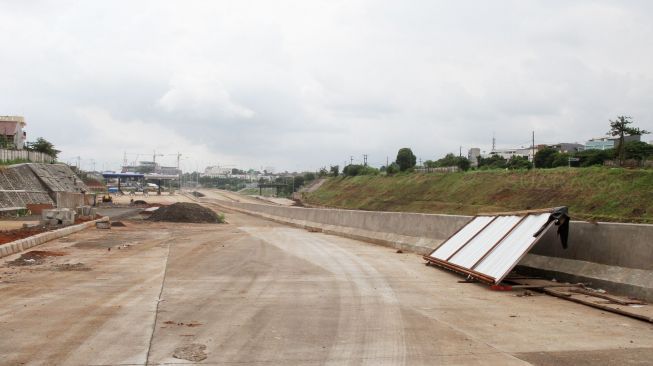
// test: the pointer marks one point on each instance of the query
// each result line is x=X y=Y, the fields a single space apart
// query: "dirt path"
x=256 y=293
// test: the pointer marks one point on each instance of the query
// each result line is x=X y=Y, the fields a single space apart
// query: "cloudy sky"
x=303 y=84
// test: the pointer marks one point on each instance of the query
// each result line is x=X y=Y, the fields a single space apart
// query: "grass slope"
x=591 y=193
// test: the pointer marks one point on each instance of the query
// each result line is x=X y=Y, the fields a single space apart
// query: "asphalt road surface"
x=253 y=292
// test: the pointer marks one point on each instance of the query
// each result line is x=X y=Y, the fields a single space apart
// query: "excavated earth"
x=186 y=212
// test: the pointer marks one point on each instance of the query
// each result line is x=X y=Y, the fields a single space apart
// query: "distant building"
x=608 y=142
x=11 y=129
x=568 y=148
x=472 y=155
x=526 y=152
x=150 y=167
x=217 y=172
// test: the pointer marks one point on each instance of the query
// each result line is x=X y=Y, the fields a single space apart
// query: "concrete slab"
x=256 y=292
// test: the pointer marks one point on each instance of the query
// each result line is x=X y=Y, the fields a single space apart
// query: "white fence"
x=33 y=156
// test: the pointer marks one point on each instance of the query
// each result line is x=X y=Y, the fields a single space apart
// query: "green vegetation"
x=44 y=146
x=620 y=127
x=449 y=160
x=406 y=159
x=594 y=193
x=14 y=161
x=353 y=170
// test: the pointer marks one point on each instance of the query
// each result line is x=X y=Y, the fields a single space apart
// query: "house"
x=11 y=130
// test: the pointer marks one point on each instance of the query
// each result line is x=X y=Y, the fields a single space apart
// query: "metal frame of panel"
x=485 y=237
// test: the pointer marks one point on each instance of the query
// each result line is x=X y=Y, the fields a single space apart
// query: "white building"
x=216 y=171
x=526 y=152
x=11 y=128
x=473 y=155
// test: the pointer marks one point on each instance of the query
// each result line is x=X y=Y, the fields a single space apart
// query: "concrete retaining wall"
x=69 y=200
x=415 y=232
x=18 y=246
x=617 y=257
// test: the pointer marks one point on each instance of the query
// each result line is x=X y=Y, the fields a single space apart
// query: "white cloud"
x=302 y=84
x=202 y=95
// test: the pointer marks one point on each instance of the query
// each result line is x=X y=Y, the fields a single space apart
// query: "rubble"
x=58 y=216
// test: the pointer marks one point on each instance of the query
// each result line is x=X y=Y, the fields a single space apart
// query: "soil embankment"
x=599 y=194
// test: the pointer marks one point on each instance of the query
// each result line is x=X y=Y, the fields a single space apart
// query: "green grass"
x=595 y=193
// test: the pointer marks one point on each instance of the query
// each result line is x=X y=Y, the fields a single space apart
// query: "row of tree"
x=544 y=158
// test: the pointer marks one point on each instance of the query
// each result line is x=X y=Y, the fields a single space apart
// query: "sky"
x=299 y=85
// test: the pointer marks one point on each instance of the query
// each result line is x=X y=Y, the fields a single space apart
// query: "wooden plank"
x=612 y=309
x=608 y=297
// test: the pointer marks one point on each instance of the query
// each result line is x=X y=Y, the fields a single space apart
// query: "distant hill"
x=597 y=193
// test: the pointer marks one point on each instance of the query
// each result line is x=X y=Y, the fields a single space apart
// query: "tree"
x=451 y=160
x=519 y=162
x=493 y=162
x=393 y=168
x=638 y=150
x=594 y=156
x=406 y=159
x=4 y=143
x=309 y=176
x=560 y=159
x=544 y=157
x=335 y=170
x=44 y=146
x=620 y=127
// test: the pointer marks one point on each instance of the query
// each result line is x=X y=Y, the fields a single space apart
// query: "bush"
x=353 y=170
x=519 y=162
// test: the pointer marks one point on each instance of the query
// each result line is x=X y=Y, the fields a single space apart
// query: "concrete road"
x=253 y=292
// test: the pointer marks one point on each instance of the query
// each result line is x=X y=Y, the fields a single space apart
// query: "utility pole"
x=460 y=154
x=494 y=142
x=387 y=161
x=351 y=160
x=178 y=171
x=533 y=149
x=365 y=159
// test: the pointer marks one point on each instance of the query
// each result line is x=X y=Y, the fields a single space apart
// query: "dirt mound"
x=198 y=194
x=11 y=235
x=117 y=224
x=34 y=257
x=139 y=202
x=186 y=212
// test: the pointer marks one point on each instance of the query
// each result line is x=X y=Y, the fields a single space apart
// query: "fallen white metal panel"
x=459 y=239
x=489 y=247
x=484 y=241
x=509 y=252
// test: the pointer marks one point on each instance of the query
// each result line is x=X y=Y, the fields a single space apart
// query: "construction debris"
x=103 y=225
x=186 y=212
x=58 y=216
x=34 y=257
x=491 y=245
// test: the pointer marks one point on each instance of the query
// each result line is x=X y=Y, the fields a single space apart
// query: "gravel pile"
x=186 y=212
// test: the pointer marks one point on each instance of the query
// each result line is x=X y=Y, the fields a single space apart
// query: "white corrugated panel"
x=450 y=246
x=484 y=241
x=505 y=256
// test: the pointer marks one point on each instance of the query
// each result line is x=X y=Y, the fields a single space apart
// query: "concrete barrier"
x=614 y=256
x=415 y=232
x=20 y=245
